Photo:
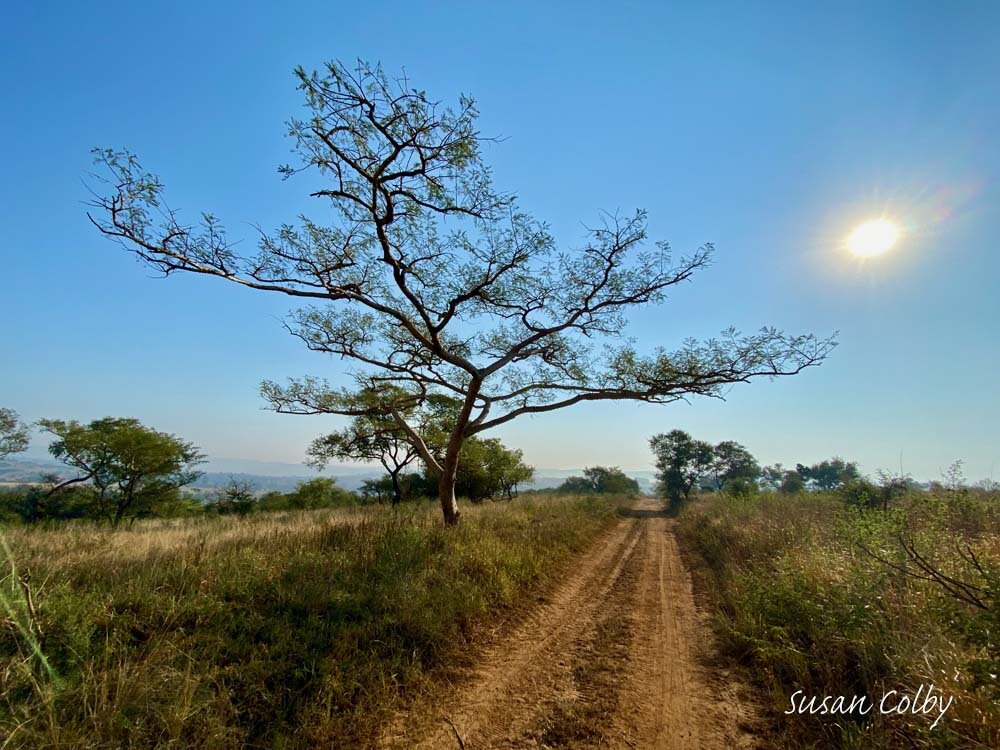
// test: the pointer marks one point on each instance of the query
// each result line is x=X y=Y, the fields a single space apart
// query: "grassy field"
x=287 y=630
x=802 y=601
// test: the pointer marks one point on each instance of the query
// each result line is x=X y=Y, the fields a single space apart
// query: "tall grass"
x=291 y=630
x=811 y=595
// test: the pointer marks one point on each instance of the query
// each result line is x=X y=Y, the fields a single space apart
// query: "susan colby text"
x=925 y=701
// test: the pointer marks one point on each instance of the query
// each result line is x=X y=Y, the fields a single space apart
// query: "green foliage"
x=377 y=490
x=13 y=433
x=487 y=468
x=134 y=471
x=321 y=492
x=35 y=503
x=372 y=437
x=680 y=462
x=576 y=486
x=740 y=487
x=792 y=483
x=295 y=630
x=829 y=474
x=602 y=481
x=731 y=462
x=411 y=486
x=860 y=493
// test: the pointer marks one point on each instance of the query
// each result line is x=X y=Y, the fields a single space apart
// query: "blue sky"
x=768 y=129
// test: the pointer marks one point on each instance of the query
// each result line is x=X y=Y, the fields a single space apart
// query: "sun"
x=873 y=238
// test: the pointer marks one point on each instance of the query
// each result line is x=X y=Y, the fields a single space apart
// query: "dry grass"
x=300 y=629
x=801 y=604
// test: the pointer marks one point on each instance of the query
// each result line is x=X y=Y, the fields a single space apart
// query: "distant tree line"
x=122 y=470
x=239 y=497
x=685 y=464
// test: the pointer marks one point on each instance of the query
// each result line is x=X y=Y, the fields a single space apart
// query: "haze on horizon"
x=771 y=135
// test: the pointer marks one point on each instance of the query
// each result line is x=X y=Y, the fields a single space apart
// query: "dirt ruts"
x=613 y=659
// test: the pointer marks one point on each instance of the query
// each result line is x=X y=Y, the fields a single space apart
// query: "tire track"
x=612 y=660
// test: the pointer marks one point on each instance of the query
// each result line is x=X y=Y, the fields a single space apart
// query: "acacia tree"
x=13 y=433
x=829 y=474
x=611 y=481
x=134 y=470
x=432 y=282
x=730 y=461
x=680 y=462
x=368 y=438
x=487 y=468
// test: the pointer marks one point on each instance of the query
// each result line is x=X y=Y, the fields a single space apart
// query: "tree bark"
x=446 y=488
x=397 y=494
x=449 y=469
x=449 y=506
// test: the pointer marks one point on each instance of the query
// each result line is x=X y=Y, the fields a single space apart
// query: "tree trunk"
x=446 y=488
x=449 y=470
x=397 y=494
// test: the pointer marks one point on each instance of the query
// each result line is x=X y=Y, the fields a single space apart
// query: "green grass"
x=801 y=604
x=291 y=630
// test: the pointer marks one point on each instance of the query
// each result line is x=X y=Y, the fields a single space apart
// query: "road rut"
x=613 y=659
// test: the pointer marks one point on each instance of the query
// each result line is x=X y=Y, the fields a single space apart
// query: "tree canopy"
x=601 y=480
x=432 y=282
x=829 y=474
x=134 y=470
x=680 y=462
x=487 y=468
x=732 y=461
x=368 y=438
x=13 y=433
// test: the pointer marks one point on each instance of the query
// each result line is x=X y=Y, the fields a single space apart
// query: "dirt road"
x=613 y=659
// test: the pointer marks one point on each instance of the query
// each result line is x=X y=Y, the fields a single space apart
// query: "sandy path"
x=610 y=660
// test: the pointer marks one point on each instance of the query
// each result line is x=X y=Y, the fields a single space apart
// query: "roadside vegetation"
x=828 y=583
x=295 y=630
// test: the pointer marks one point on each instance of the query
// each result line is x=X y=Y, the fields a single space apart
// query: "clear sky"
x=770 y=129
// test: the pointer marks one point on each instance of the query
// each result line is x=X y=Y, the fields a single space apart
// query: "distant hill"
x=18 y=470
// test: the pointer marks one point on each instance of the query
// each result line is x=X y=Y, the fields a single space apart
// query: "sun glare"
x=873 y=238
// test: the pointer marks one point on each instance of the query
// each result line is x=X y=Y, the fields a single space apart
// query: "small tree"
x=13 y=433
x=601 y=480
x=487 y=468
x=576 y=486
x=510 y=470
x=731 y=461
x=236 y=497
x=792 y=483
x=778 y=478
x=433 y=283
x=380 y=490
x=368 y=438
x=611 y=481
x=680 y=462
x=134 y=470
x=830 y=474
x=321 y=492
